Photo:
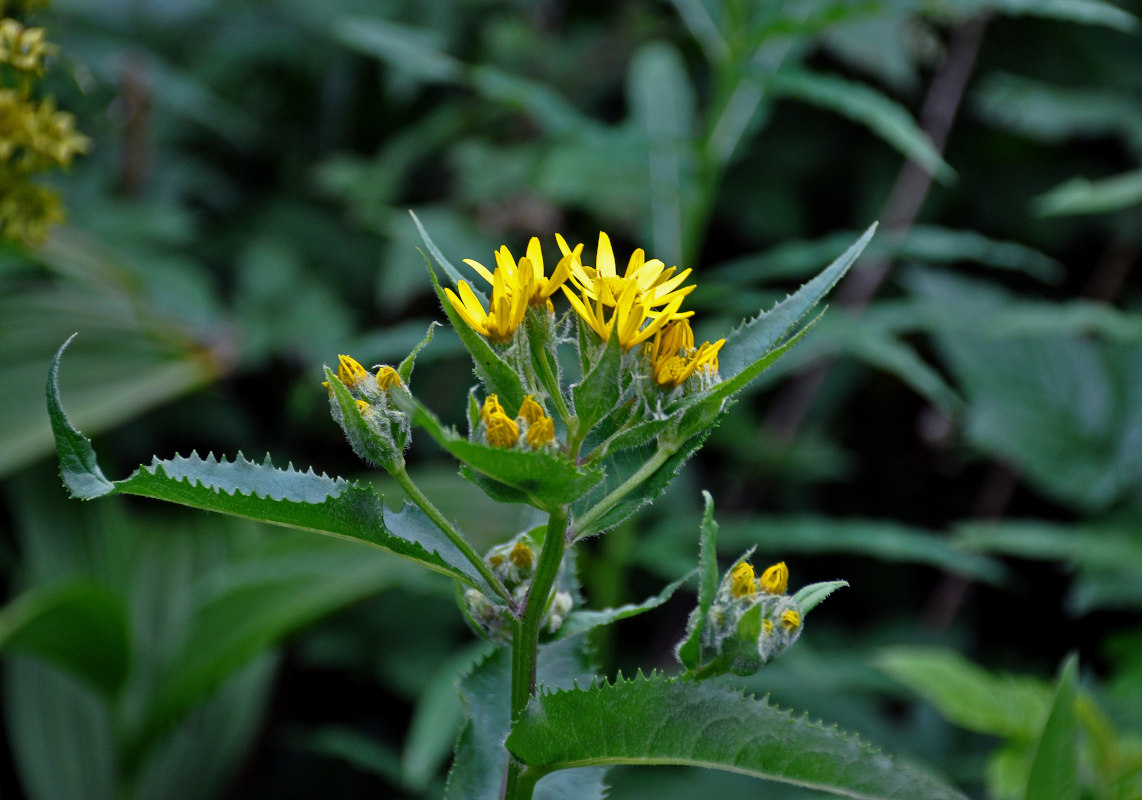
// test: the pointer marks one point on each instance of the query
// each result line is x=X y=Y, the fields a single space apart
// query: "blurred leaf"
x=655 y=720
x=811 y=596
x=414 y=50
x=1055 y=768
x=1081 y=196
x=355 y=749
x=869 y=107
x=968 y=695
x=1086 y=12
x=79 y=627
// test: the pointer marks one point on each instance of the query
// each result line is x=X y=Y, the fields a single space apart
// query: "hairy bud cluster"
x=751 y=620
x=513 y=562
x=530 y=429
x=387 y=429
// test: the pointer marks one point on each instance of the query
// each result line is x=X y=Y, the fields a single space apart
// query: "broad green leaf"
x=865 y=105
x=79 y=627
x=547 y=479
x=752 y=341
x=598 y=393
x=495 y=373
x=811 y=596
x=656 y=720
x=968 y=695
x=582 y=621
x=480 y=760
x=240 y=611
x=241 y=488
x=689 y=650
x=1055 y=768
x=1082 y=196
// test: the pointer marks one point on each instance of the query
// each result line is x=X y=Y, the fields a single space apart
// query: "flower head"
x=501 y=430
x=655 y=285
x=505 y=310
x=526 y=278
x=742 y=581
x=673 y=357
x=626 y=318
x=350 y=372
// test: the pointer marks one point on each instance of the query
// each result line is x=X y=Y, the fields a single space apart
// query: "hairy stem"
x=585 y=525
x=525 y=641
x=451 y=531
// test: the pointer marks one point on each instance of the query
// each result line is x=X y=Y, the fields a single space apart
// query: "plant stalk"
x=584 y=525
x=525 y=641
x=452 y=532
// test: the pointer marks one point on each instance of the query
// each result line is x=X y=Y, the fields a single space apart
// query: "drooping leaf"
x=547 y=479
x=751 y=342
x=656 y=720
x=79 y=627
x=582 y=621
x=241 y=488
x=1055 y=767
x=967 y=695
x=863 y=104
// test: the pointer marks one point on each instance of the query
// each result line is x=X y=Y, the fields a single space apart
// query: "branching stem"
x=585 y=525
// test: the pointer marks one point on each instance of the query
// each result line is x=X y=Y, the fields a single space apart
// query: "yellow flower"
x=673 y=357
x=501 y=430
x=767 y=626
x=741 y=580
x=24 y=49
x=350 y=372
x=521 y=556
x=387 y=377
x=775 y=579
x=540 y=433
x=526 y=278
x=505 y=309
x=626 y=317
x=790 y=620
x=531 y=410
x=364 y=407
x=491 y=406
x=655 y=285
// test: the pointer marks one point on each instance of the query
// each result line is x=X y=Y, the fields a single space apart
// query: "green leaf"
x=241 y=488
x=480 y=760
x=968 y=695
x=865 y=105
x=582 y=621
x=547 y=480
x=405 y=368
x=750 y=343
x=412 y=49
x=1082 y=196
x=811 y=596
x=495 y=373
x=598 y=393
x=1085 y=12
x=79 y=627
x=689 y=650
x=655 y=720
x=1055 y=768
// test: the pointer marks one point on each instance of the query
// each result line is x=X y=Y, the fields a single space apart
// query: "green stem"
x=525 y=641
x=451 y=531
x=585 y=524
x=547 y=376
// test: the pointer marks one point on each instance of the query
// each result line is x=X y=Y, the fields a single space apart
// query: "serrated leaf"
x=865 y=105
x=79 y=627
x=480 y=761
x=751 y=342
x=546 y=479
x=689 y=651
x=241 y=488
x=406 y=366
x=495 y=373
x=811 y=596
x=655 y=720
x=598 y=393
x=1055 y=767
x=968 y=695
x=582 y=621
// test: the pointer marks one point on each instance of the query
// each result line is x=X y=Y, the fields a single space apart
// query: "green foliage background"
x=960 y=436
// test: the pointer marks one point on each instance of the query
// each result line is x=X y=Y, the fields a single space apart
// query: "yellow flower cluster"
x=643 y=306
x=773 y=581
x=34 y=138
x=353 y=375
x=500 y=430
